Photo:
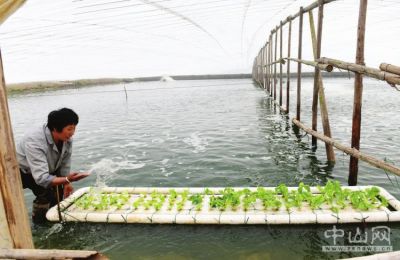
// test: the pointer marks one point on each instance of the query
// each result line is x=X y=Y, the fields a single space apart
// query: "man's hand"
x=76 y=176
x=68 y=189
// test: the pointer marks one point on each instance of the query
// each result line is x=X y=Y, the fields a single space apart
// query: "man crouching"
x=44 y=157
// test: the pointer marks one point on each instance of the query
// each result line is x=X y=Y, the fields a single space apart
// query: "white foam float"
x=207 y=215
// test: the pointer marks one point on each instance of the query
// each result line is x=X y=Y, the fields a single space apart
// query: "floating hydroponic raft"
x=281 y=205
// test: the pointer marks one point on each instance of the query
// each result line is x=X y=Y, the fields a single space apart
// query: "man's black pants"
x=45 y=197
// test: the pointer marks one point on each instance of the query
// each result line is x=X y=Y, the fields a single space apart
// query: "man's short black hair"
x=58 y=119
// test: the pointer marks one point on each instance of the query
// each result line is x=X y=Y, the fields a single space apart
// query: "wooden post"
x=299 y=56
x=318 y=84
x=261 y=68
x=258 y=68
x=315 y=89
x=5 y=234
x=267 y=68
x=276 y=57
x=270 y=66
x=252 y=71
x=264 y=68
x=358 y=89
x=288 y=67
x=265 y=65
x=280 y=65
x=10 y=179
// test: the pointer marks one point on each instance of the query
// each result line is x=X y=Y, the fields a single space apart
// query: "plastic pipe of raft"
x=390 y=68
x=350 y=151
x=390 y=78
x=208 y=215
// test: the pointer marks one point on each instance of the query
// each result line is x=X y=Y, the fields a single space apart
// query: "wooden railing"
x=265 y=74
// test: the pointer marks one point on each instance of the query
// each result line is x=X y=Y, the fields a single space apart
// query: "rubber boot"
x=39 y=212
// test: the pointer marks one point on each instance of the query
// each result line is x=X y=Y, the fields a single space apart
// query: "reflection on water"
x=208 y=133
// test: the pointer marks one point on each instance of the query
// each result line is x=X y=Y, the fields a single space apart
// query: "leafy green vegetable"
x=331 y=195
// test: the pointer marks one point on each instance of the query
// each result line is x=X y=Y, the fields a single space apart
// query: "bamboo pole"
x=49 y=254
x=299 y=56
x=280 y=65
x=258 y=68
x=270 y=67
x=390 y=68
x=253 y=70
x=288 y=68
x=276 y=53
x=10 y=179
x=390 y=78
x=281 y=61
x=262 y=67
x=324 y=67
x=350 y=151
x=314 y=105
x=5 y=234
x=266 y=66
x=318 y=84
x=265 y=62
x=358 y=89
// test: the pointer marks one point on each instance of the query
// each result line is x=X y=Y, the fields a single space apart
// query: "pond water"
x=210 y=133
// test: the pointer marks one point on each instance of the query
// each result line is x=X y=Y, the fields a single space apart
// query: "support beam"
x=324 y=67
x=319 y=92
x=10 y=179
x=391 y=78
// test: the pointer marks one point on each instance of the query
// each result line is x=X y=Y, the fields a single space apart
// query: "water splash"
x=197 y=142
x=107 y=169
x=56 y=228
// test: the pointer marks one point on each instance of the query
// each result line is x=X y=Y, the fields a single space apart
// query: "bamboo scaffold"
x=387 y=72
